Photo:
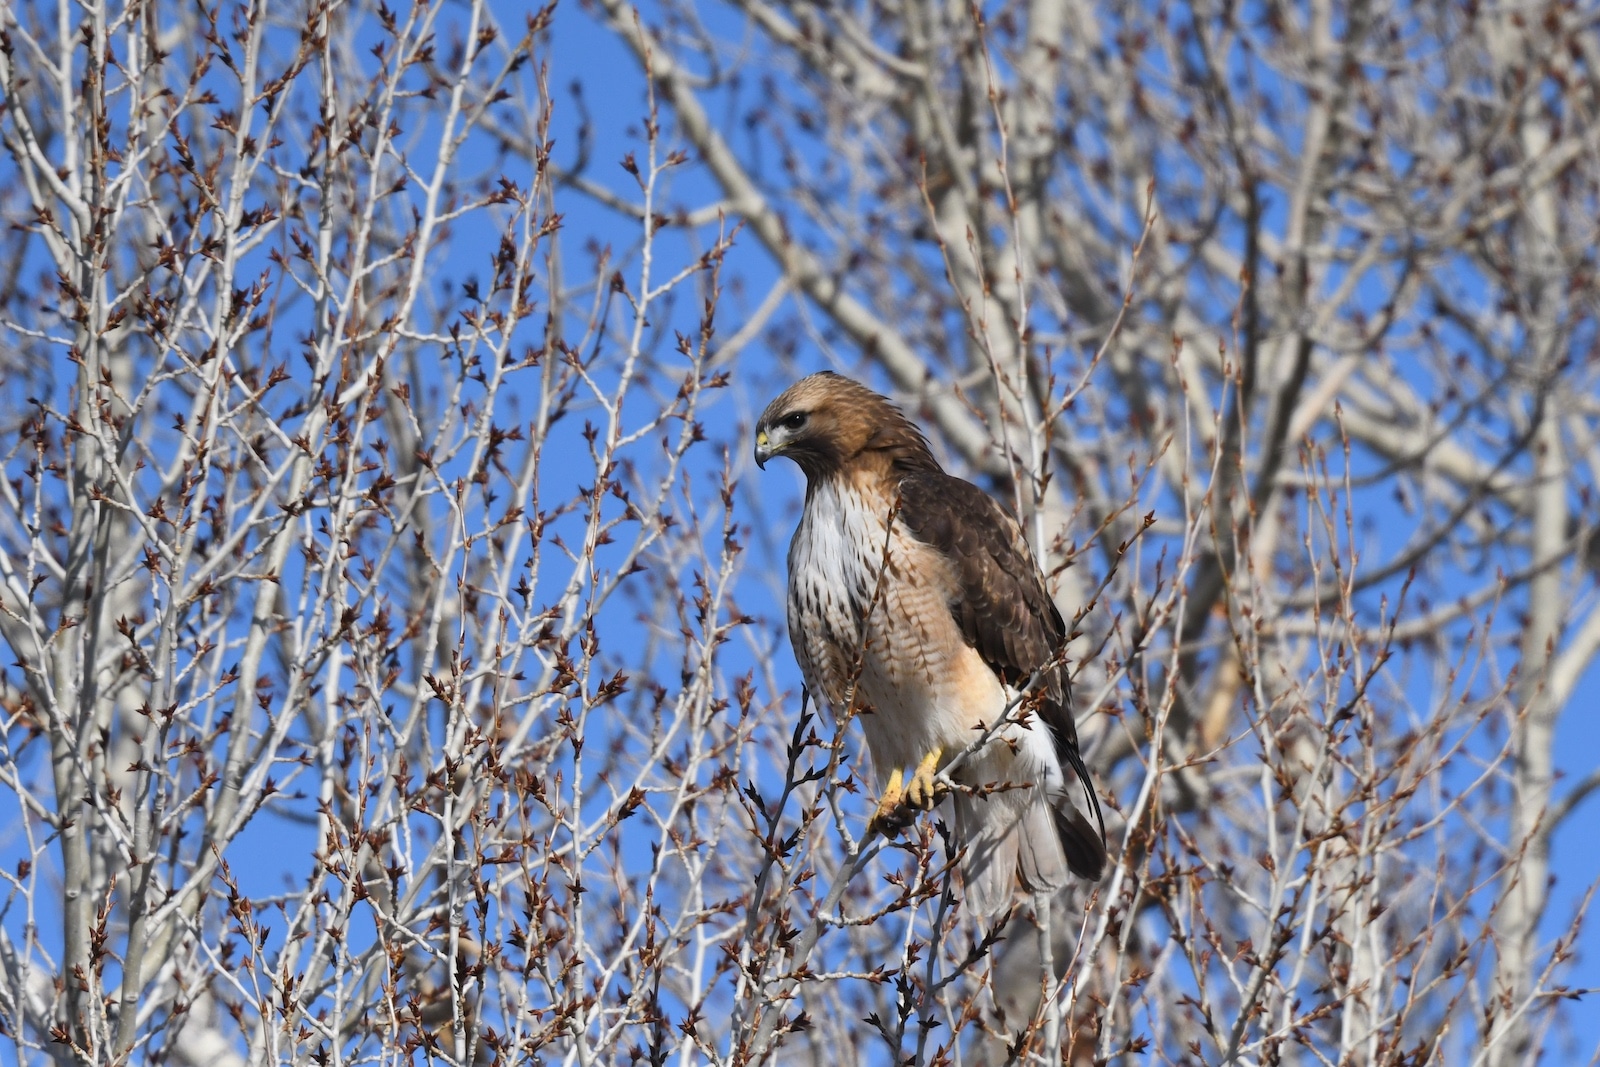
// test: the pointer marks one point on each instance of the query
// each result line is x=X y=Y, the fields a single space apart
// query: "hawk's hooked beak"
x=763 y=449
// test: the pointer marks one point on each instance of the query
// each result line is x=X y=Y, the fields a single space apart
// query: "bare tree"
x=396 y=667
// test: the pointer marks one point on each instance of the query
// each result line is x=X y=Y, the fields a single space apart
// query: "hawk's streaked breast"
x=918 y=683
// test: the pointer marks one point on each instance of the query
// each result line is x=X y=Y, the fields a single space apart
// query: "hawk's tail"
x=1085 y=849
x=1035 y=842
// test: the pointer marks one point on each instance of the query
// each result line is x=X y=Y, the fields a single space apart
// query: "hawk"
x=914 y=595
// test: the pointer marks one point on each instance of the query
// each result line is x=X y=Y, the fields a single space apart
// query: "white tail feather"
x=1004 y=841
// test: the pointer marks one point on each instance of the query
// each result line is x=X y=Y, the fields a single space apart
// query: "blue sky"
x=1381 y=522
x=273 y=849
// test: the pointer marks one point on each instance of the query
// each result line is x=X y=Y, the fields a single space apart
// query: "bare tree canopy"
x=394 y=653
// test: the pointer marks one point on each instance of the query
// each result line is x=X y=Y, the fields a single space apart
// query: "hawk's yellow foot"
x=925 y=789
x=885 y=816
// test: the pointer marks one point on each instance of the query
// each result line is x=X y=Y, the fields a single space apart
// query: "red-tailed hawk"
x=937 y=622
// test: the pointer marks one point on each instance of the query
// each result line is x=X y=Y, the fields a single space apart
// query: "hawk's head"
x=826 y=422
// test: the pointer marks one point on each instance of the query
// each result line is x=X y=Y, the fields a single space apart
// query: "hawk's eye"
x=794 y=420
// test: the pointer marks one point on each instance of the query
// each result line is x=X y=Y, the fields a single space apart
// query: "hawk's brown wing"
x=1002 y=606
